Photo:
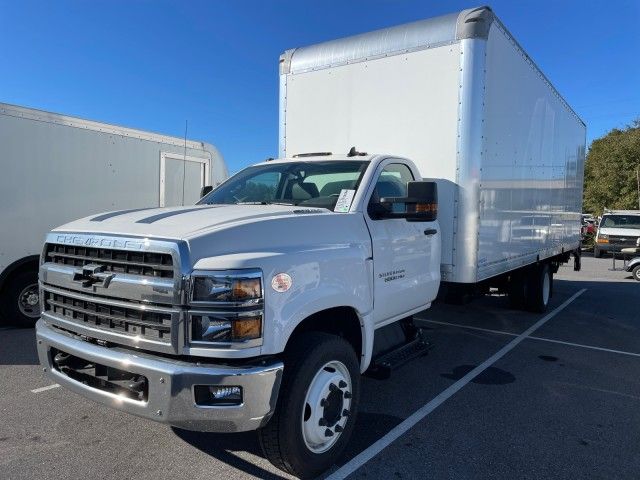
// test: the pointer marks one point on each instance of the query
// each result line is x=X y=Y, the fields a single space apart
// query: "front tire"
x=317 y=406
x=636 y=272
x=597 y=252
x=19 y=301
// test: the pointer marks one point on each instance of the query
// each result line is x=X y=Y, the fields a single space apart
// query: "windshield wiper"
x=266 y=203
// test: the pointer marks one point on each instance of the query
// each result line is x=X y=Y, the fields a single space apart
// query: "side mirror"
x=420 y=204
x=204 y=190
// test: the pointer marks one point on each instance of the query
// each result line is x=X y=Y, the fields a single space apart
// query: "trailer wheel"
x=540 y=289
x=636 y=272
x=19 y=300
x=317 y=406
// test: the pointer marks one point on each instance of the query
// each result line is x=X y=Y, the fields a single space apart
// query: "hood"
x=624 y=232
x=182 y=223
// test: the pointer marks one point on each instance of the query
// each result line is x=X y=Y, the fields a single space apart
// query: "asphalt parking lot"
x=502 y=395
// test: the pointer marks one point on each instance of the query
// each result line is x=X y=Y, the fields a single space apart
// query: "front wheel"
x=20 y=302
x=317 y=406
x=636 y=272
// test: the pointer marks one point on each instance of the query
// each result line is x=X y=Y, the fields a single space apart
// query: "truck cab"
x=191 y=316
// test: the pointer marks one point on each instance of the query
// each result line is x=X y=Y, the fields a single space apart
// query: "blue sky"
x=153 y=64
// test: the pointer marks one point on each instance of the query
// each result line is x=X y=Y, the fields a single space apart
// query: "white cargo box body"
x=458 y=96
x=58 y=168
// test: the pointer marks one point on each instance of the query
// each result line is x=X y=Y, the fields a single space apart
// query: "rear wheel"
x=636 y=272
x=540 y=288
x=317 y=406
x=19 y=301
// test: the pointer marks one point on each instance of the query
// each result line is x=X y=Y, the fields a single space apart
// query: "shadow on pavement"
x=18 y=347
x=222 y=447
x=369 y=428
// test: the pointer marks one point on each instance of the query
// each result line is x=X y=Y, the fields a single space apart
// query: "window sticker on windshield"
x=344 y=201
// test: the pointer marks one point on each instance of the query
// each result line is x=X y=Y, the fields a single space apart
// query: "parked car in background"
x=57 y=168
x=588 y=231
x=633 y=265
x=589 y=224
x=618 y=229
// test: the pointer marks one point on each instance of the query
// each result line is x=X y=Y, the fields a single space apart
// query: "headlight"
x=603 y=238
x=226 y=307
x=213 y=327
x=237 y=286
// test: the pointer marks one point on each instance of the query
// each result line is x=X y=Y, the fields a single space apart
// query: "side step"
x=382 y=366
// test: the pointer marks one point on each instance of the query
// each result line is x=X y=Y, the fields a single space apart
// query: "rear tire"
x=19 y=300
x=540 y=289
x=636 y=273
x=291 y=440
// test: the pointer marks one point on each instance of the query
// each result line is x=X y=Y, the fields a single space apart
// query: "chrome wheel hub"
x=327 y=407
x=29 y=301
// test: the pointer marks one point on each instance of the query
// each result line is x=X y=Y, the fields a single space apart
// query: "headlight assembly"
x=216 y=327
x=235 y=286
x=226 y=308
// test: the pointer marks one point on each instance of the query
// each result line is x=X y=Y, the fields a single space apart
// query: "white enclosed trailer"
x=460 y=97
x=57 y=168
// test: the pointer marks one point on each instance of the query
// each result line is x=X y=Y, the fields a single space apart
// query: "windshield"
x=621 y=221
x=312 y=184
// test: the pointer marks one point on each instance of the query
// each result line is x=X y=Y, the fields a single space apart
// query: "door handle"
x=430 y=231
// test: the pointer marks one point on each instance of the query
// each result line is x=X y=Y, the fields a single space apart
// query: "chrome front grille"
x=147 y=264
x=133 y=321
x=125 y=291
x=623 y=241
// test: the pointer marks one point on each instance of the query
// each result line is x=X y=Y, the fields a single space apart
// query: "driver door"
x=406 y=254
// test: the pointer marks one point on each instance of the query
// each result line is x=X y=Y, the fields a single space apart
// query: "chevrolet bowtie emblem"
x=93 y=274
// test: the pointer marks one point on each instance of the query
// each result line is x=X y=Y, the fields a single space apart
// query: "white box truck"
x=57 y=168
x=260 y=308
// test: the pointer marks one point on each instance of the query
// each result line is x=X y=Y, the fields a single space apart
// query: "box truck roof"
x=409 y=37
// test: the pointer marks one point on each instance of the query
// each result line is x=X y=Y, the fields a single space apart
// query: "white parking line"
x=542 y=339
x=590 y=347
x=370 y=452
x=44 y=389
x=469 y=327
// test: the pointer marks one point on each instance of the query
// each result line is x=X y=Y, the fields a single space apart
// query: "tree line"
x=611 y=171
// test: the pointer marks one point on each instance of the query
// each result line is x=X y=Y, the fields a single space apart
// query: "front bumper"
x=170 y=396
x=615 y=247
